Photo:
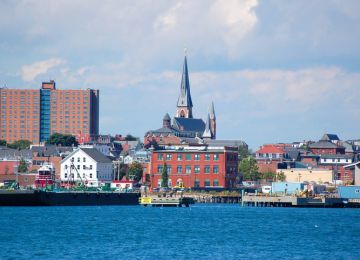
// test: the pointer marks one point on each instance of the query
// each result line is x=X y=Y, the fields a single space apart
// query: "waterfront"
x=202 y=231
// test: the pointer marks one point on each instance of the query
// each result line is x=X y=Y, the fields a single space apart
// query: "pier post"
x=242 y=198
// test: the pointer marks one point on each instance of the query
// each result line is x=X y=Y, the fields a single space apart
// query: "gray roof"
x=96 y=155
x=189 y=124
x=167 y=117
x=336 y=156
x=235 y=143
x=13 y=154
x=349 y=148
x=184 y=99
x=207 y=131
x=51 y=150
x=330 y=137
x=324 y=144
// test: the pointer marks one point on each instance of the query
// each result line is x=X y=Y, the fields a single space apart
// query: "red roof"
x=270 y=149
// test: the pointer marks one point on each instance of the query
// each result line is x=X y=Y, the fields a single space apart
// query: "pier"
x=291 y=201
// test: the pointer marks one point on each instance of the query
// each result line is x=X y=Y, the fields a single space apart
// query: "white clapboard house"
x=86 y=166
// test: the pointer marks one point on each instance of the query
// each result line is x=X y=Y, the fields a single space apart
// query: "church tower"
x=184 y=104
x=212 y=120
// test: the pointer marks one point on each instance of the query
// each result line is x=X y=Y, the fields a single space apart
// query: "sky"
x=277 y=71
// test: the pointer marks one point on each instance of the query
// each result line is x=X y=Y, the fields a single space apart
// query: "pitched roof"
x=336 y=156
x=322 y=144
x=207 y=131
x=270 y=149
x=212 y=111
x=96 y=155
x=234 y=143
x=184 y=99
x=189 y=124
x=330 y=137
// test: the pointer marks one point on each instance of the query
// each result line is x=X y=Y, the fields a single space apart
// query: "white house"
x=88 y=166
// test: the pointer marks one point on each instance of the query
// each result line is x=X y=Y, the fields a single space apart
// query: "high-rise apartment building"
x=36 y=114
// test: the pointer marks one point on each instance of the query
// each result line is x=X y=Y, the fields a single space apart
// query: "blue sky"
x=277 y=71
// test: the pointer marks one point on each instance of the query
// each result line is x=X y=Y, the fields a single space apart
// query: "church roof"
x=189 y=124
x=207 y=131
x=184 y=99
x=167 y=117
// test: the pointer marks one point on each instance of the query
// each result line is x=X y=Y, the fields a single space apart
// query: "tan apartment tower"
x=36 y=114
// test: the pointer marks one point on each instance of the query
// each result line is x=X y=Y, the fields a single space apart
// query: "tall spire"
x=185 y=96
x=184 y=103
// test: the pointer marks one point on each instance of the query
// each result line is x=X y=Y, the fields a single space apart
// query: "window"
x=179 y=157
x=188 y=169
x=78 y=167
x=216 y=169
x=169 y=169
x=188 y=157
x=216 y=157
x=168 y=157
x=84 y=159
x=207 y=183
x=197 y=157
x=207 y=169
x=65 y=175
x=216 y=183
x=207 y=157
x=90 y=166
x=197 y=183
x=84 y=167
x=90 y=175
x=78 y=159
x=66 y=166
x=197 y=169
x=160 y=156
x=159 y=168
x=179 y=169
x=72 y=159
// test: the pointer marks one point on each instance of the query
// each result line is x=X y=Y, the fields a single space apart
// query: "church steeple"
x=207 y=132
x=184 y=104
x=212 y=120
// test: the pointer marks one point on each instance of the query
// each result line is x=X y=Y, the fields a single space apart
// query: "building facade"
x=36 y=114
x=87 y=166
x=195 y=167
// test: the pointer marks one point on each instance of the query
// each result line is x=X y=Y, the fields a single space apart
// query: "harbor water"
x=203 y=231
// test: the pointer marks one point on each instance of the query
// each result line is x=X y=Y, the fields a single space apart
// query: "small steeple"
x=207 y=131
x=212 y=111
x=184 y=103
x=167 y=121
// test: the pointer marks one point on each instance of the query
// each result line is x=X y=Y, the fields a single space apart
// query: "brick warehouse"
x=36 y=114
x=198 y=166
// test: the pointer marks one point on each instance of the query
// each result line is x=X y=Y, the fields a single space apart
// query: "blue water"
x=199 y=232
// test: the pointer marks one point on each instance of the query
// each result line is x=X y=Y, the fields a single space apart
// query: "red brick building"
x=36 y=114
x=326 y=147
x=269 y=156
x=195 y=167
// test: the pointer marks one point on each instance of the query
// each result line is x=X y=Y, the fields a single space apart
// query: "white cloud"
x=30 y=72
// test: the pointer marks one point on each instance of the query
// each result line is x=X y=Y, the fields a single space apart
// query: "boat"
x=45 y=194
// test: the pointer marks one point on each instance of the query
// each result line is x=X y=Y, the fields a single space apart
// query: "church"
x=183 y=128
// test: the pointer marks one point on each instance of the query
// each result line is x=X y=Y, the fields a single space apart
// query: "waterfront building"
x=183 y=125
x=195 y=166
x=86 y=166
x=308 y=175
x=269 y=156
x=36 y=114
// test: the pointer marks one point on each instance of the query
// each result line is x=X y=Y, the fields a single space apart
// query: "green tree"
x=269 y=175
x=135 y=171
x=249 y=169
x=22 y=166
x=281 y=176
x=243 y=152
x=20 y=144
x=60 y=139
x=3 y=143
x=164 y=176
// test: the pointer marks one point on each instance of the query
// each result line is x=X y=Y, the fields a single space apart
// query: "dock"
x=155 y=201
x=291 y=201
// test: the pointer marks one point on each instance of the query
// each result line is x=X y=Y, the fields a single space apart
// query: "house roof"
x=189 y=124
x=270 y=149
x=330 y=137
x=235 y=143
x=93 y=153
x=336 y=156
x=322 y=144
